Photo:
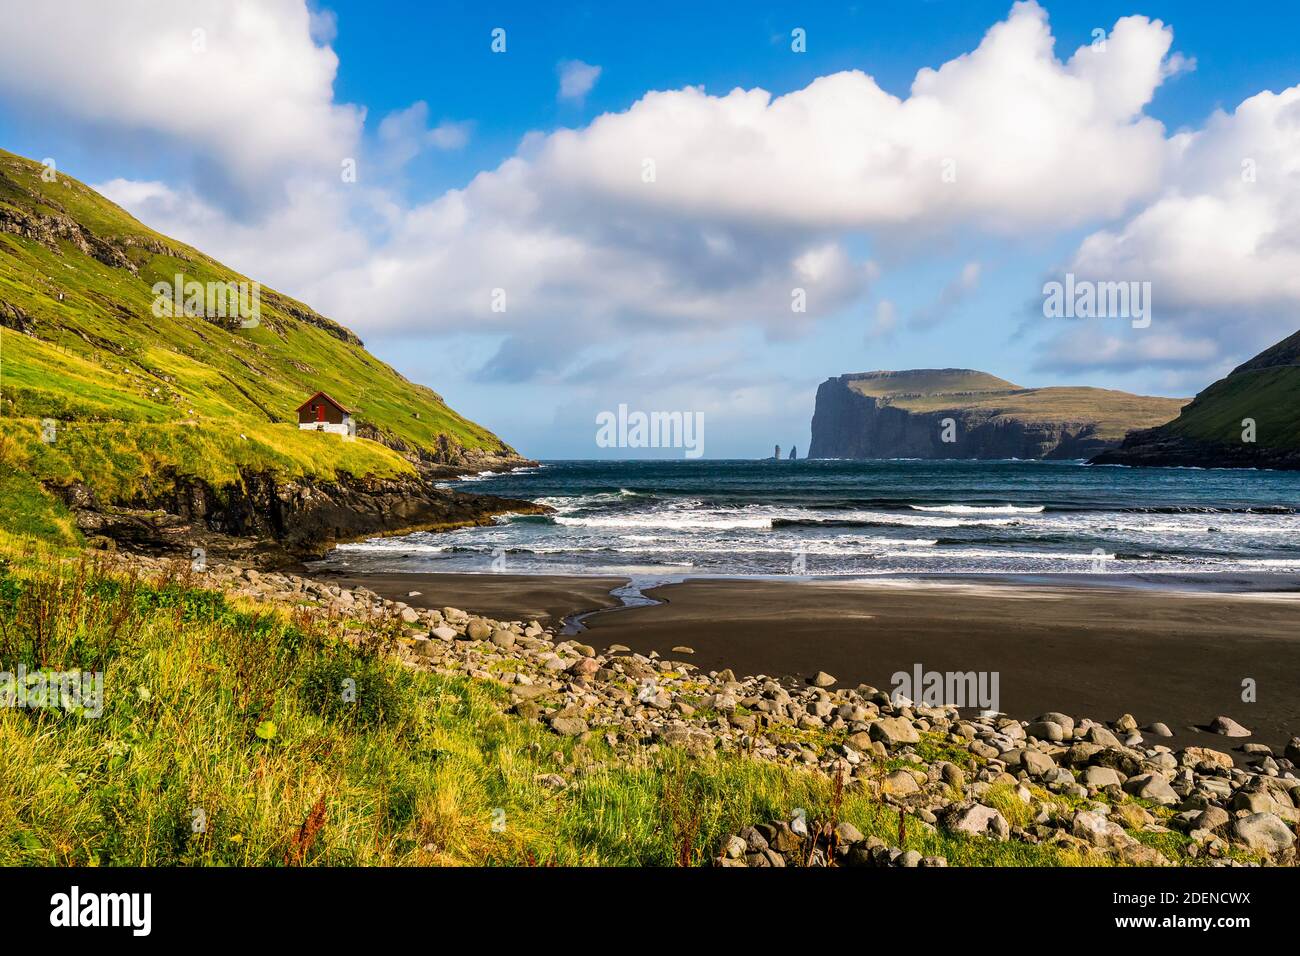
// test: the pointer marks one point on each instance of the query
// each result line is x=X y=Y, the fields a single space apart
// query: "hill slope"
x=905 y=414
x=1211 y=432
x=141 y=399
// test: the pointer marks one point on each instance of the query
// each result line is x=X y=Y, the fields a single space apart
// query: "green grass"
x=226 y=715
x=935 y=390
x=138 y=394
x=1270 y=396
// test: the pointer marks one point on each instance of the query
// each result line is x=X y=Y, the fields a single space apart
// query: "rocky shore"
x=276 y=521
x=1108 y=790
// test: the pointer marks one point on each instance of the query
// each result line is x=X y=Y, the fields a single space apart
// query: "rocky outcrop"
x=276 y=520
x=958 y=413
x=1162 y=448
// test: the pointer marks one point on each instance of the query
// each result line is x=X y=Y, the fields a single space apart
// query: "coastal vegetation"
x=224 y=740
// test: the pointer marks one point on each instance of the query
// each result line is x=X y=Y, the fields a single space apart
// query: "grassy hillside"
x=135 y=394
x=1266 y=389
x=1270 y=396
x=1211 y=431
x=935 y=390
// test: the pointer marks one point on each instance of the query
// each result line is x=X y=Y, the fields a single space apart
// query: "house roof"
x=336 y=404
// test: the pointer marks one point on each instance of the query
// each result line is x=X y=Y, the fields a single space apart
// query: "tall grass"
x=237 y=735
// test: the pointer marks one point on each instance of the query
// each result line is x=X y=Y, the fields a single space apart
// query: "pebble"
x=1228 y=727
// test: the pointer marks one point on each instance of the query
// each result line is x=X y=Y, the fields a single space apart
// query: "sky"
x=548 y=211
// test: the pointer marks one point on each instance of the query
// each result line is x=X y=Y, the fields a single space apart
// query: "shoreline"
x=1101 y=649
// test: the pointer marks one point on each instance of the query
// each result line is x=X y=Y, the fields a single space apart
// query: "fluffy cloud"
x=240 y=83
x=576 y=79
x=404 y=134
x=690 y=212
x=311 y=232
x=690 y=209
x=1220 y=245
x=992 y=135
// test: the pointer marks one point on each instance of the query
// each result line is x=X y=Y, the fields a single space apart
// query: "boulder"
x=1195 y=756
x=1153 y=787
x=1263 y=833
x=569 y=726
x=584 y=667
x=1102 y=737
x=900 y=783
x=1099 y=831
x=1037 y=764
x=1098 y=777
x=846 y=834
x=1212 y=818
x=1228 y=727
x=1046 y=730
x=1064 y=721
x=893 y=731
x=978 y=820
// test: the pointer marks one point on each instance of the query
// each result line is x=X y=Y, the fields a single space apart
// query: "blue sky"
x=914 y=286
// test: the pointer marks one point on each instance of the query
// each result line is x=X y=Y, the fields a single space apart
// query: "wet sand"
x=1174 y=656
x=504 y=597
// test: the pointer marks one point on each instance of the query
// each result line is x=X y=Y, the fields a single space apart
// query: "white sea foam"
x=982 y=509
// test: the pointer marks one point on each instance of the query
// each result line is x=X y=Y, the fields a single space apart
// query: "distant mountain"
x=1259 y=399
x=122 y=386
x=963 y=413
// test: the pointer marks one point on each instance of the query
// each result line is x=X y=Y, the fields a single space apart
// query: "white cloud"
x=1220 y=245
x=404 y=134
x=1026 y=140
x=311 y=232
x=752 y=196
x=1093 y=346
x=576 y=79
x=237 y=82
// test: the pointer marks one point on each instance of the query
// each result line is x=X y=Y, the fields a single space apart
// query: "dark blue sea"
x=664 y=519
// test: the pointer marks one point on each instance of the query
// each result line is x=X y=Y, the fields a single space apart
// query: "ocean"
x=662 y=520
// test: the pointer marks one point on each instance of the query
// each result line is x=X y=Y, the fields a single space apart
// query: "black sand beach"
x=512 y=597
x=1177 y=657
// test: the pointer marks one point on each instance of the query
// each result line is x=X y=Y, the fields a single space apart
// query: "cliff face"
x=1249 y=419
x=273 y=520
x=961 y=413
